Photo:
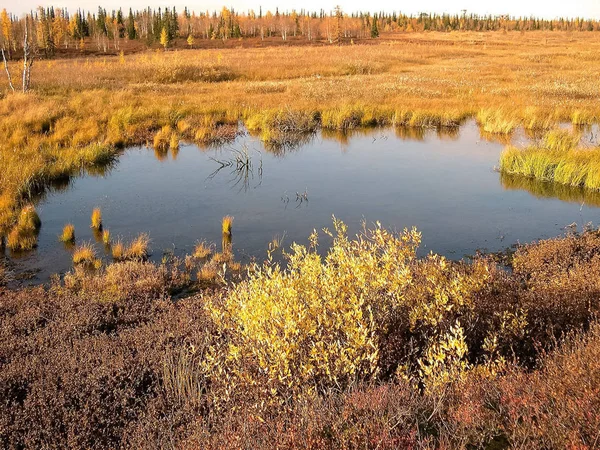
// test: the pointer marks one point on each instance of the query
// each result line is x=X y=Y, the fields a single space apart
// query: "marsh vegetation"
x=417 y=80
x=367 y=346
x=364 y=334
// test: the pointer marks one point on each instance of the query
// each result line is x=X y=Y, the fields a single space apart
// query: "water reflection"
x=439 y=180
x=544 y=189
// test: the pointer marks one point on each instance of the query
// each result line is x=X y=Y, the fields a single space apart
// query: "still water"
x=445 y=185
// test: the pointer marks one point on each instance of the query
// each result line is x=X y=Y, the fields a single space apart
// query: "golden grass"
x=21 y=240
x=85 y=254
x=226 y=225
x=137 y=250
x=23 y=235
x=556 y=159
x=561 y=140
x=29 y=219
x=106 y=237
x=82 y=111
x=118 y=250
x=96 y=219
x=208 y=273
x=222 y=257
x=202 y=250
x=68 y=233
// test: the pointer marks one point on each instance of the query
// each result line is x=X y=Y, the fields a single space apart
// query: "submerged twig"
x=242 y=168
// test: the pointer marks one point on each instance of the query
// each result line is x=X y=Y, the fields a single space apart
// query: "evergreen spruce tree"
x=374 y=29
x=131 y=33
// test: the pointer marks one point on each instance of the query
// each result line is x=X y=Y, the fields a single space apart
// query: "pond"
x=442 y=183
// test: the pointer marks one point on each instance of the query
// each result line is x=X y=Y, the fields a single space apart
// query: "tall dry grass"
x=82 y=111
x=557 y=159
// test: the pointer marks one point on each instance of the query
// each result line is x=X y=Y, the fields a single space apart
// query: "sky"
x=540 y=8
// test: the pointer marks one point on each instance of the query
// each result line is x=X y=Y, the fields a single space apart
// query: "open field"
x=81 y=111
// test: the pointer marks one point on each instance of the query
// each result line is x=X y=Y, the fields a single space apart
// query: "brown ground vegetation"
x=109 y=359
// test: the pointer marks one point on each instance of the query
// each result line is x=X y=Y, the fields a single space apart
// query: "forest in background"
x=52 y=28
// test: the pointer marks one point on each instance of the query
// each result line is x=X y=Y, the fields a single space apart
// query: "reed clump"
x=226 y=225
x=496 y=121
x=555 y=160
x=208 y=273
x=561 y=140
x=68 y=233
x=85 y=255
x=202 y=250
x=29 y=219
x=137 y=250
x=96 y=219
x=118 y=250
x=23 y=235
x=163 y=138
x=21 y=240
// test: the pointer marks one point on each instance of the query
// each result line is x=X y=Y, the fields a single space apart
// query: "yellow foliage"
x=322 y=321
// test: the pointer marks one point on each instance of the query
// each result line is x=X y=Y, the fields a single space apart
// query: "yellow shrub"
x=326 y=321
x=316 y=323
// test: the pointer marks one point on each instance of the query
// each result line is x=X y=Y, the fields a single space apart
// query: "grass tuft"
x=21 y=240
x=202 y=250
x=227 y=224
x=118 y=251
x=555 y=160
x=68 y=233
x=29 y=219
x=138 y=250
x=23 y=236
x=85 y=255
x=96 y=219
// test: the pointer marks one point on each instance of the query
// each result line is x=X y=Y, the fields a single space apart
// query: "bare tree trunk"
x=7 y=72
x=27 y=60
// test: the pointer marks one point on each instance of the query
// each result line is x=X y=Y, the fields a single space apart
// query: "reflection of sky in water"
x=444 y=185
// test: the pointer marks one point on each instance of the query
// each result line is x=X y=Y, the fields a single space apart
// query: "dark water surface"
x=446 y=186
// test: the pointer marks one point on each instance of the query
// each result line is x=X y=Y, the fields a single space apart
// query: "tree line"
x=52 y=28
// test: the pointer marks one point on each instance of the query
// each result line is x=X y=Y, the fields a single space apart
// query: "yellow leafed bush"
x=321 y=322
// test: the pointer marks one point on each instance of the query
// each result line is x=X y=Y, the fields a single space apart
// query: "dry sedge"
x=227 y=223
x=118 y=251
x=21 y=240
x=208 y=272
x=23 y=235
x=556 y=160
x=29 y=219
x=85 y=254
x=106 y=237
x=202 y=250
x=138 y=250
x=68 y=233
x=96 y=219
